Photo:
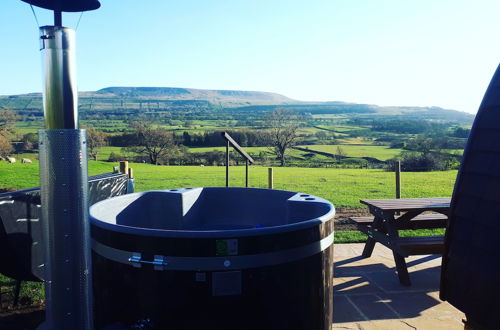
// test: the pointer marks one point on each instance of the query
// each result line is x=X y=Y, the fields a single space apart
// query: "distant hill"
x=226 y=97
x=134 y=100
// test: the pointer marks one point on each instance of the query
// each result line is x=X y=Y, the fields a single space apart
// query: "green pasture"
x=453 y=151
x=344 y=128
x=109 y=126
x=104 y=152
x=29 y=155
x=309 y=130
x=252 y=150
x=355 y=140
x=118 y=126
x=297 y=157
x=20 y=176
x=330 y=116
x=379 y=152
x=343 y=187
x=25 y=127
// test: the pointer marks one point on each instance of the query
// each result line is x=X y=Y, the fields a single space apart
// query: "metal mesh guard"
x=65 y=227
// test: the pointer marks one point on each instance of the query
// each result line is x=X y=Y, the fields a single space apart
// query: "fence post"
x=124 y=167
x=130 y=181
x=270 y=179
x=227 y=164
x=246 y=173
x=398 y=178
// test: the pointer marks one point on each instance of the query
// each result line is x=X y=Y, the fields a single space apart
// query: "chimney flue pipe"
x=60 y=98
x=64 y=189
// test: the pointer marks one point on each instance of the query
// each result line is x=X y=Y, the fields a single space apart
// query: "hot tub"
x=213 y=258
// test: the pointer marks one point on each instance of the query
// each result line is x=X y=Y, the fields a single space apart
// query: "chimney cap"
x=66 y=5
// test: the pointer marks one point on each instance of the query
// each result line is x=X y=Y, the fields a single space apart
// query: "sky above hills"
x=385 y=52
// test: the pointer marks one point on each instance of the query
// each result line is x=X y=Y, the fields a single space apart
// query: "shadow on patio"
x=367 y=292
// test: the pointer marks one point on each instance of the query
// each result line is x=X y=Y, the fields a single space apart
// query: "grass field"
x=454 y=151
x=119 y=126
x=253 y=150
x=25 y=127
x=379 y=152
x=344 y=128
x=343 y=187
x=354 y=140
x=104 y=153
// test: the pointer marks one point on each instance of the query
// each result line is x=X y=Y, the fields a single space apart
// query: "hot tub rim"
x=226 y=233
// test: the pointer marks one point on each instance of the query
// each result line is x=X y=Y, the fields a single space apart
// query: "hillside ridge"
x=177 y=93
x=130 y=99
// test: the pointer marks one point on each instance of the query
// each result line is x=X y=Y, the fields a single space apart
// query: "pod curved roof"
x=470 y=278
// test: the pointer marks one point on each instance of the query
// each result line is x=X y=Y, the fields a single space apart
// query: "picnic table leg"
x=369 y=245
x=402 y=269
x=17 y=291
x=370 y=242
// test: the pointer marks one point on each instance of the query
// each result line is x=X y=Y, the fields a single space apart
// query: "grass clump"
x=354 y=236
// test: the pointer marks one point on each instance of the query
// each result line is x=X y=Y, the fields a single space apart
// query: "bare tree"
x=95 y=140
x=30 y=141
x=340 y=153
x=7 y=122
x=5 y=146
x=152 y=142
x=282 y=131
x=7 y=129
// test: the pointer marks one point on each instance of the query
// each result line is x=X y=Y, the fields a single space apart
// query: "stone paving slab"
x=368 y=295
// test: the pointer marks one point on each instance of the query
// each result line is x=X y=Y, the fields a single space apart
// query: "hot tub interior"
x=203 y=209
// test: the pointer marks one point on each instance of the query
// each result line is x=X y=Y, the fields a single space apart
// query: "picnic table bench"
x=421 y=221
x=383 y=227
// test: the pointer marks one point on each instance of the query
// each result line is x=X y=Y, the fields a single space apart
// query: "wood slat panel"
x=470 y=278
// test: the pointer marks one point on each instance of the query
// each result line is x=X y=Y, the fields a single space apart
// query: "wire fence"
x=343 y=187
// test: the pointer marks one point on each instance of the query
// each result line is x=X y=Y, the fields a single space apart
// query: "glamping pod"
x=470 y=277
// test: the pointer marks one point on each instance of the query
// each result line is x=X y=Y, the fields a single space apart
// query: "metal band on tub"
x=213 y=263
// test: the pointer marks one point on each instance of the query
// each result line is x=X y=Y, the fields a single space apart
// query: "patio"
x=368 y=295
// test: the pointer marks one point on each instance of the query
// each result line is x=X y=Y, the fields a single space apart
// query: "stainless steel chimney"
x=60 y=96
x=64 y=189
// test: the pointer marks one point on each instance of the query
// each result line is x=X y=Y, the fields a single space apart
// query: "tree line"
x=156 y=145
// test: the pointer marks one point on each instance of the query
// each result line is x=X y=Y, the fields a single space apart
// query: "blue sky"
x=385 y=52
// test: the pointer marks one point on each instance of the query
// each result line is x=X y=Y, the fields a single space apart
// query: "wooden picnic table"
x=386 y=222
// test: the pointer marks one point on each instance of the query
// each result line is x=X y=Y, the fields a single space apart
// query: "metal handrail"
x=230 y=142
